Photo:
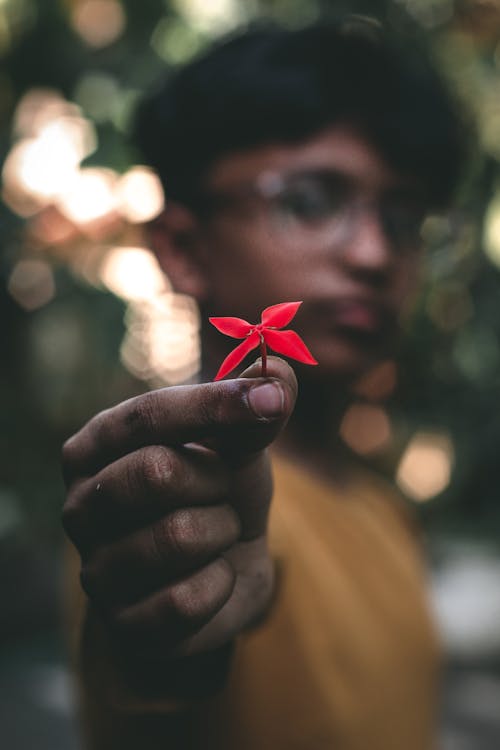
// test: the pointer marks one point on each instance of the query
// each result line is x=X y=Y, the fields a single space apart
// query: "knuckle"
x=140 y=418
x=187 y=603
x=157 y=466
x=98 y=423
x=177 y=533
x=180 y=610
x=184 y=530
x=195 y=600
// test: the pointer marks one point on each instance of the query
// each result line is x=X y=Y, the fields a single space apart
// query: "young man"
x=297 y=166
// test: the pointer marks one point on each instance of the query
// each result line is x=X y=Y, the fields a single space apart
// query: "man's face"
x=326 y=222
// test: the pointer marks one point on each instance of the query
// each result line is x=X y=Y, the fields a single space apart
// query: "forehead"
x=339 y=148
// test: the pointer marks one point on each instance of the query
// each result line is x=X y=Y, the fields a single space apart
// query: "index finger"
x=245 y=413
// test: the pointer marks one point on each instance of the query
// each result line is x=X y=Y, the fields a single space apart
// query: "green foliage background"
x=60 y=363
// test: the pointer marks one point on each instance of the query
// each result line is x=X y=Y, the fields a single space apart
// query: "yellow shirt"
x=347 y=658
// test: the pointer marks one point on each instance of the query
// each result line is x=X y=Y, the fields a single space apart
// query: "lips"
x=360 y=315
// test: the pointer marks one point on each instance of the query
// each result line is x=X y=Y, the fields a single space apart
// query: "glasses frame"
x=340 y=223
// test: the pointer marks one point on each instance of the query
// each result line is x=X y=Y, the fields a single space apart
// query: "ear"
x=175 y=239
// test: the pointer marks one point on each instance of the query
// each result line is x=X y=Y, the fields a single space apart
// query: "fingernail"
x=267 y=400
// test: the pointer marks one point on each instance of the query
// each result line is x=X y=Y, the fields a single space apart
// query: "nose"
x=367 y=249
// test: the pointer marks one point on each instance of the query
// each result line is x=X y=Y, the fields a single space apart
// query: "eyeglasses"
x=324 y=206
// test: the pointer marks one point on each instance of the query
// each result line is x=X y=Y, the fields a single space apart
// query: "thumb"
x=269 y=403
x=251 y=489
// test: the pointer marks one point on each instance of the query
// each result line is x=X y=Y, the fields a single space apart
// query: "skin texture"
x=172 y=531
x=168 y=493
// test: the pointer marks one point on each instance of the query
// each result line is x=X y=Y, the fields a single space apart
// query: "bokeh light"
x=16 y=17
x=466 y=602
x=40 y=168
x=450 y=305
x=425 y=468
x=430 y=13
x=379 y=382
x=98 y=93
x=43 y=178
x=139 y=195
x=89 y=195
x=161 y=345
x=43 y=163
x=39 y=107
x=133 y=273
x=214 y=17
x=31 y=283
x=50 y=228
x=476 y=352
x=366 y=429
x=174 y=40
x=99 y=22
x=491 y=232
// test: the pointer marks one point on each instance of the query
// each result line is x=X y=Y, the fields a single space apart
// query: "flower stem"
x=263 y=354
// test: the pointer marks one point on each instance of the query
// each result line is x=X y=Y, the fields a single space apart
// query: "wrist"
x=179 y=680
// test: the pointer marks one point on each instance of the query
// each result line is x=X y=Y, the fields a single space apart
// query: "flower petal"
x=279 y=315
x=290 y=344
x=236 y=327
x=237 y=355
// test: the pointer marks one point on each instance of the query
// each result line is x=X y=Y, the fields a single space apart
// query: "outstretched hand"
x=167 y=504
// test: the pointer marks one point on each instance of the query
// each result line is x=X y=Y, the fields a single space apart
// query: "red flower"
x=264 y=334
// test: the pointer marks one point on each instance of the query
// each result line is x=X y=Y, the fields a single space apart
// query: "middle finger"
x=139 y=488
x=134 y=567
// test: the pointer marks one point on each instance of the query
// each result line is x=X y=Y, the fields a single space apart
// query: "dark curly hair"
x=269 y=84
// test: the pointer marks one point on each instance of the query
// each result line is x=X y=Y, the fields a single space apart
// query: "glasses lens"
x=309 y=200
